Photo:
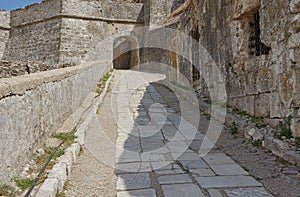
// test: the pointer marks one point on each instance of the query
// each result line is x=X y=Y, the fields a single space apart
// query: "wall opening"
x=125 y=53
x=256 y=47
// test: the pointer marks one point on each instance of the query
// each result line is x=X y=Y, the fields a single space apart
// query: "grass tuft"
x=6 y=190
x=234 y=128
x=24 y=183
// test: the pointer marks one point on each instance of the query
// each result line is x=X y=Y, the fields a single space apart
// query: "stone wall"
x=4 y=30
x=33 y=106
x=56 y=31
x=35 y=42
x=35 y=33
x=256 y=47
x=13 y=69
x=159 y=10
x=91 y=40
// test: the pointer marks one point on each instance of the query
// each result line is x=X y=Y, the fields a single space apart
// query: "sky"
x=14 y=4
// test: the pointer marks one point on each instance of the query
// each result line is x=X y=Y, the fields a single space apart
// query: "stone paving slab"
x=137 y=193
x=228 y=169
x=214 y=159
x=248 y=192
x=171 y=179
x=194 y=164
x=202 y=172
x=182 y=190
x=227 y=181
x=133 y=167
x=214 y=193
x=133 y=181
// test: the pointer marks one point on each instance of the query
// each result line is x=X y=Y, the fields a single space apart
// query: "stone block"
x=48 y=188
x=257 y=192
x=246 y=104
x=265 y=80
x=250 y=83
x=295 y=6
x=182 y=190
x=202 y=172
x=213 y=159
x=246 y=7
x=294 y=41
x=262 y=105
x=173 y=179
x=137 y=193
x=295 y=127
x=59 y=172
x=133 y=181
x=200 y=164
x=67 y=159
x=228 y=169
x=227 y=181
x=277 y=109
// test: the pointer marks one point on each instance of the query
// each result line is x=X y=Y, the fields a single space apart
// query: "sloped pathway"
x=160 y=153
x=140 y=145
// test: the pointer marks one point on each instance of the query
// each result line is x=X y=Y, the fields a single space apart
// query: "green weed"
x=234 y=128
x=6 y=190
x=24 y=183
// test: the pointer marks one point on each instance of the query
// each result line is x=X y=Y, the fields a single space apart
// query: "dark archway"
x=126 y=53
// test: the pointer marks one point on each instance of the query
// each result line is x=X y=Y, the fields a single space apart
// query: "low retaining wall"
x=35 y=105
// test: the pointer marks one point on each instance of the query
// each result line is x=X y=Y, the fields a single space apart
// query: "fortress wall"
x=92 y=39
x=104 y=10
x=4 y=30
x=159 y=10
x=35 y=42
x=56 y=31
x=33 y=106
x=256 y=46
x=35 y=13
x=35 y=33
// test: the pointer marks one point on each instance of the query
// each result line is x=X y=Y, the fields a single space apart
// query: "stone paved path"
x=159 y=153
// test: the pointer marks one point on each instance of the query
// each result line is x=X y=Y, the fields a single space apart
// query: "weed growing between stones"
x=101 y=84
x=6 y=190
x=257 y=143
x=67 y=137
x=257 y=121
x=187 y=171
x=41 y=159
x=234 y=128
x=61 y=194
x=284 y=129
x=23 y=183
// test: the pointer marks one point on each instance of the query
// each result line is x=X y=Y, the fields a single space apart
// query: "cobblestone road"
x=160 y=153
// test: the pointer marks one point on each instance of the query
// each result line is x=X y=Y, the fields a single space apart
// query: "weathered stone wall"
x=256 y=47
x=13 y=69
x=35 y=33
x=158 y=10
x=35 y=42
x=4 y=30
x=56 y=31
x=88 y=44
x=33 y=106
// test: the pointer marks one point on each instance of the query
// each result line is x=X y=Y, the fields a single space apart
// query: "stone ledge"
x=20 y=84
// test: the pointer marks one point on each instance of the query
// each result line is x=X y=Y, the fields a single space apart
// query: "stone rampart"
x=33 y=106
x=4 y=30
x=56 y=31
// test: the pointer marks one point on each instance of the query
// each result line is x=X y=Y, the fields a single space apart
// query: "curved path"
x=142 y=145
